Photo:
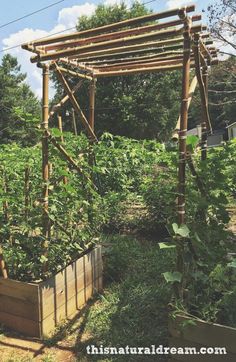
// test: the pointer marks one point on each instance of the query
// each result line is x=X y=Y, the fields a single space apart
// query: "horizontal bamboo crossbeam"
x=59 y=105
x=114 y=61
x=150 y=48
x=117 y=35
x=75 y=104
x=136 y=65
x=75 y=74
x=155 y=35
x=127 y=49
x=111 y=27
x=140 y=70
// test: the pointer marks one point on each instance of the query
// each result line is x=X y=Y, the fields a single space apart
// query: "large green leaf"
x=172 y=277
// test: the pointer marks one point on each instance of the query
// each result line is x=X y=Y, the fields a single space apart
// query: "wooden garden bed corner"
x=35 y=309
x=201 y=334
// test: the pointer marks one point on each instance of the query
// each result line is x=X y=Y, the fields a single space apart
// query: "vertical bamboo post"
x=59 y=120
x=184 y=122
x=3 y=265
x=203 y=121
x=92 y=90
x=5 y=202
x=45 y=164
x=74 y=122
x=182 y=150
x=27 y=191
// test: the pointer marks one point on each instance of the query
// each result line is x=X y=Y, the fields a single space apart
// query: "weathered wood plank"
x=178 y=342
x=23 y=325
x=204 y=333
x=25 y=291
x=19 y=307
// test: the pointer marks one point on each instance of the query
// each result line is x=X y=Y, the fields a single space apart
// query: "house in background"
x=231 y=131
x=218 y=136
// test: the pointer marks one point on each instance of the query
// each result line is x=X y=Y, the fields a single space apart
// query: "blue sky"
x=53 y=19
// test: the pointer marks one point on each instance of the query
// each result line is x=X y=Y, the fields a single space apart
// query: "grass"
x=133 y=309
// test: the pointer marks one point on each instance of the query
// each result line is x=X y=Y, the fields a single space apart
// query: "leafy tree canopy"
x=19 y=107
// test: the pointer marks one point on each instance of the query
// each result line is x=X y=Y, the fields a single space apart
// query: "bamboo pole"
x=75 y=74
x=140 y=70
x=118 y=34
x=92 y=89
x=203 y=122
x=60 y=127
x=3 y=265
x=116 y=61
x=5 y=202
x=128 y=41
x=27 y=191
x=74 y=122
x=148 y=48
x=66 y=155
x=114 y=26
x=45 y=165
x=183 y=124
x=59 y=105
x=75 y=104
x=135 y=65
x=200 y=82
x=182 y=151
x=194 y=173
x=192 y=88
x=158 y=35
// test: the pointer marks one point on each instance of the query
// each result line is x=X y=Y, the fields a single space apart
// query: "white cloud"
x=172 y=4
x=67 y=18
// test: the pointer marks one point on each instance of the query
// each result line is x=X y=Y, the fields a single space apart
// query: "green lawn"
x=133 y=309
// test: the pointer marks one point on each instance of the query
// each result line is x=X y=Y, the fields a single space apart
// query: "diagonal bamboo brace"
x=59 y=105
x=202 y=89
x=75 y=104
x=192 y=88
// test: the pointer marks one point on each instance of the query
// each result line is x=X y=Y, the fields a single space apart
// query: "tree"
x=222 y=91
x=138 y=106
x=19 y=108
x=222 y=21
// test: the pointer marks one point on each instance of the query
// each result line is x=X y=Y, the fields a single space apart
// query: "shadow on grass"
x=131 y=312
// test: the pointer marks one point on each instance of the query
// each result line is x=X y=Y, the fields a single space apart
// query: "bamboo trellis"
x=157 y=42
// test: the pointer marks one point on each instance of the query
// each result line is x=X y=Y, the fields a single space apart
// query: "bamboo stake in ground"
x=74 y=122
x=61 y=138
x=5 y=202
x=3 y=265
x=45 y=165
x=203 y=122
x=27 y=191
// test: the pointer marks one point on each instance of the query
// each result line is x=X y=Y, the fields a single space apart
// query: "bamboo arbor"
x=159 y=42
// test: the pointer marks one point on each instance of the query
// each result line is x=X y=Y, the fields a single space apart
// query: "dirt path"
x=65 y=346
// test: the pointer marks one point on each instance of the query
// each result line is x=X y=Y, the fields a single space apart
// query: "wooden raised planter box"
x=35 y=309
x=201 y=334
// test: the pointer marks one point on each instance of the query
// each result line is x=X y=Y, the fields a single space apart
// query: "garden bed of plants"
x=124 y=169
